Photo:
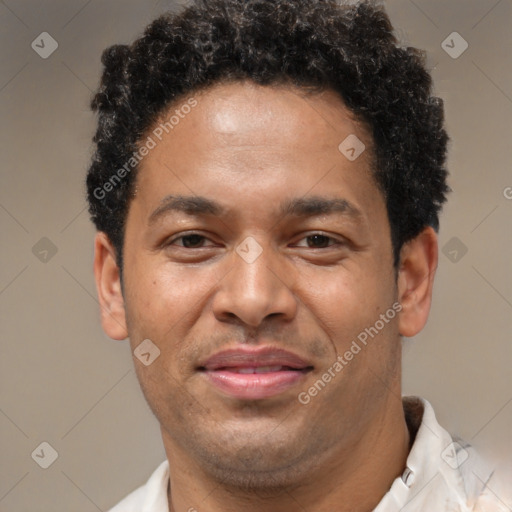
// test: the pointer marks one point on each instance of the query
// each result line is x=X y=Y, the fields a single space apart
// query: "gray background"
x=64 y=382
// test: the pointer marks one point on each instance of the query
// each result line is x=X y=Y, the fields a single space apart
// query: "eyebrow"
x=312 y=206
x=301 y=207
x=191 y=205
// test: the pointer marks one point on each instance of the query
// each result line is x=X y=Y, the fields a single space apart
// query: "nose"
x=253 y=291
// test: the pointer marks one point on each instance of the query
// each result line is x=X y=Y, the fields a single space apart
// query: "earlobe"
x=108 y=286
x=418 y=263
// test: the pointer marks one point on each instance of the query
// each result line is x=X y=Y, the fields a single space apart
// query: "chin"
x=257 y=463
x=267 y=479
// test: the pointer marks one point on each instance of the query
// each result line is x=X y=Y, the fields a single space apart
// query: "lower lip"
x=254 y=386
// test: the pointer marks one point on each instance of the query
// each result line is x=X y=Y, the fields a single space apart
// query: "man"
x=266 y=187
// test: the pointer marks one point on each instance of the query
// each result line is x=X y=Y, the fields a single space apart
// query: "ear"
x=418 y=263
x=108 y=286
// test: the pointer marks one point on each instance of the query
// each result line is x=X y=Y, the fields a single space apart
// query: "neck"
x=351 y=478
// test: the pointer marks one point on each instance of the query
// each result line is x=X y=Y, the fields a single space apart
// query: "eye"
x=191 y=241
x=317 y=241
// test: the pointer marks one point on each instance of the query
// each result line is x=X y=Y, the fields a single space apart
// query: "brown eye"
x=318 y=241
x=192 y=241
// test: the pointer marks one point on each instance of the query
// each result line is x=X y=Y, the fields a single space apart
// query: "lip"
x=254 y=373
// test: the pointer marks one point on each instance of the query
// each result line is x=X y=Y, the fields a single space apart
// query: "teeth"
x=245 y=370
x=259 y=369
x=268 y=369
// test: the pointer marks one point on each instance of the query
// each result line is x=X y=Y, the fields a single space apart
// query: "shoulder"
x=496 y=494
x=443 y=472
x=150 y=497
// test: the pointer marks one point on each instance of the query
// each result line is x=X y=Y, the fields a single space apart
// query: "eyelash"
x=331 y=239
x=181 y=237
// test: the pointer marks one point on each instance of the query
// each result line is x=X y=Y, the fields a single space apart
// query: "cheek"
x=347 y=300
x=164 y=299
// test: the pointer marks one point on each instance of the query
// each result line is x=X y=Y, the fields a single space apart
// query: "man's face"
x=251 y=234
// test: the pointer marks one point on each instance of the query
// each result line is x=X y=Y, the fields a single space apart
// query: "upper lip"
x=252 y=357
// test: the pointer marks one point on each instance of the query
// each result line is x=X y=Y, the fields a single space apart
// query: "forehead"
x=254 y=139
x=246 y=112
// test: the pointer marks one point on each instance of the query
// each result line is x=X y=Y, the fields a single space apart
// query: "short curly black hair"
x=317 y=44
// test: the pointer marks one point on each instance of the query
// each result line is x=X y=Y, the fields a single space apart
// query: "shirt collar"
x=440 y=470
x=156 y=494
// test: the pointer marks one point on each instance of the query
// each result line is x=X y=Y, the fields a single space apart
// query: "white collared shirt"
x=443 y=474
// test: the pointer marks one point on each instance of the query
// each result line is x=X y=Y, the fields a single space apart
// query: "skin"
x=251 y=149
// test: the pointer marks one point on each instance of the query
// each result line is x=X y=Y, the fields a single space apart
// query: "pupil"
x=192 y=240
x=318 y=241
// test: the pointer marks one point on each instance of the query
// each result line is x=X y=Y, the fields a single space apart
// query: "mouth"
x=251 y=373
